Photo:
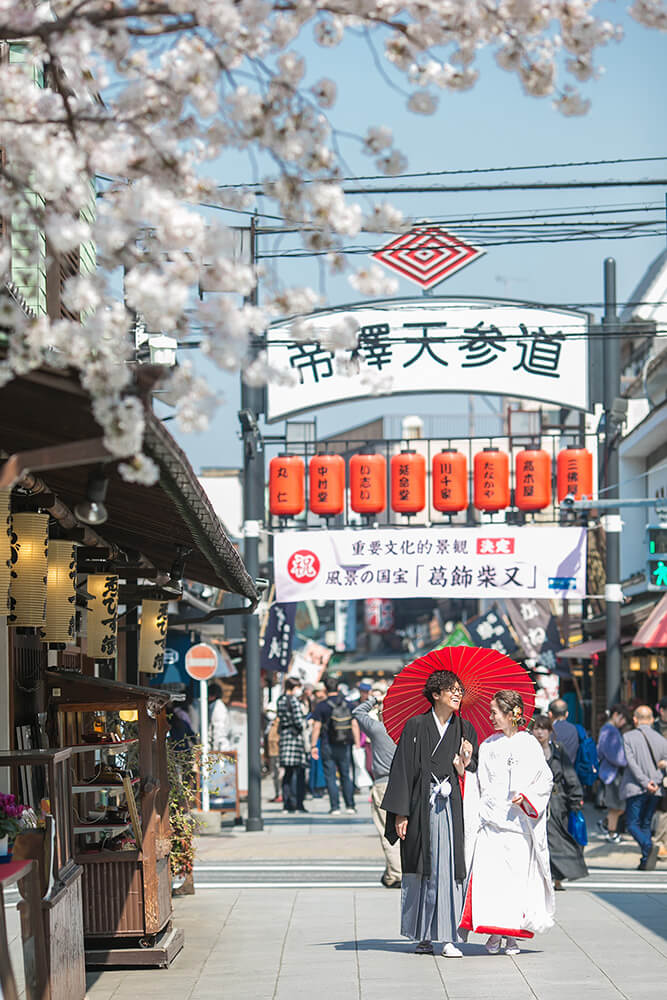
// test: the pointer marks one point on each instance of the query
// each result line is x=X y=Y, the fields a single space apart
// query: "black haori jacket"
x=409 y=789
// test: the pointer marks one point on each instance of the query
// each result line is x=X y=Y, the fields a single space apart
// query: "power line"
x=481 y=170
x=529 y=186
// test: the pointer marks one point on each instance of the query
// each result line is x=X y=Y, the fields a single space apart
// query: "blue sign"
x=562 y=583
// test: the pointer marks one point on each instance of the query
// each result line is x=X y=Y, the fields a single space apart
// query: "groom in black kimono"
x=425 y=810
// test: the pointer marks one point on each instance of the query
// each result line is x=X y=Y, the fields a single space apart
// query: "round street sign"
x=201 y=662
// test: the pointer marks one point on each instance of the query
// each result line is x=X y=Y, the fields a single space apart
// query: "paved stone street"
x=296 y=911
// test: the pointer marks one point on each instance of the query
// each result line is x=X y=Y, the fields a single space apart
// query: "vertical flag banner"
x=278 y=638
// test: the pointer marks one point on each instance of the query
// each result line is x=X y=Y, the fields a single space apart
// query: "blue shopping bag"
x=576 y=827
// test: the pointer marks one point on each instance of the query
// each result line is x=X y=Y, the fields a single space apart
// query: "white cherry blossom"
x=116 y=113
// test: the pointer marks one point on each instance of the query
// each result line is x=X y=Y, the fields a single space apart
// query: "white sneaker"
x=351 y=811
x=512 y=948
x=451 y=951
x=334 y=812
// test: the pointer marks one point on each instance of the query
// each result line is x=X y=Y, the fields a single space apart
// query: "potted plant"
x=11 y=812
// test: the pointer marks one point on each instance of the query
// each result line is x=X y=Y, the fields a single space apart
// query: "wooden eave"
x=45 y=409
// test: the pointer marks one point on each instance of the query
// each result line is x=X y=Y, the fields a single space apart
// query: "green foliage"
x=181 y=768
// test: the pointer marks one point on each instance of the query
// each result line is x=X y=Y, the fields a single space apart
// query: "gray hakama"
x=431 y=907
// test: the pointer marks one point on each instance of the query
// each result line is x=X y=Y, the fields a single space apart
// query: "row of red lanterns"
x=368 y=481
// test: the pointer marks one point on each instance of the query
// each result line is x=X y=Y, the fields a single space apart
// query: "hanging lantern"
x=326 y=494
x=408 y=482
x=574 y=473
x=450 y=482
x=152 y=636
x=491 y=480
x=368 y=483
x=5 y=549
x=533 y=479
x=286 y=485
x=27 y=594
x=102 y=616
x=60 y=593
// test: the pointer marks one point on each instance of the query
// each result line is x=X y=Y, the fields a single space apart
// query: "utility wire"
x=482 y=170
x=528 y=186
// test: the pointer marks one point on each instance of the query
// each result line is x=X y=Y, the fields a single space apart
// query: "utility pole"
x=612 y=519
x=252 y=405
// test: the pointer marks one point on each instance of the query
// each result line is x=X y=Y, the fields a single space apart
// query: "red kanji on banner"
x=427 y=255
x=495 y=546
x=303 y=566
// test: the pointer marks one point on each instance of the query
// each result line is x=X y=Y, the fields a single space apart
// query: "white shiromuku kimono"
x=510 y=890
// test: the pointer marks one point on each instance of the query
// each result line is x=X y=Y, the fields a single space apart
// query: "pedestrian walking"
x=292 y=750
x=510 y=894
x=564 y=732
x=317 y=782
x=273 y=753
x=566 y=856
x=612 y=764
x=660 y=836
x=334 y=733
x=424 y=806
x=642 y=783
x=368 y=714
x=221 y=736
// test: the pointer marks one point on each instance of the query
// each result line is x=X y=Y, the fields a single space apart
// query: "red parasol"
x=481 y=671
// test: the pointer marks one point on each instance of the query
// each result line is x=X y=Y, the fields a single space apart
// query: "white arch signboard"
x=430 y=344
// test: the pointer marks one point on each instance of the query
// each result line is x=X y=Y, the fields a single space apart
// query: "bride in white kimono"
x=510 y=894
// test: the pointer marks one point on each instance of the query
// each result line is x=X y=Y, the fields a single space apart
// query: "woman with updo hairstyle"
x=510 y=893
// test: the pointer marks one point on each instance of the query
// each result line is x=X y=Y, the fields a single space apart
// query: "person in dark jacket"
x=565 y=854
x=424 y=809
x=564 y=732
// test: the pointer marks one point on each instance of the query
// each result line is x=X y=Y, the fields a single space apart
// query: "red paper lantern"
x=533 y=479
x=450 y=481
x=574 y=473
x=326 y=494
x=287 y=490
x=491 y=480
x=368 y=484
x=408 y=482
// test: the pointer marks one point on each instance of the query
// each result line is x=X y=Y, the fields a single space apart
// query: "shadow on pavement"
x=404 y=946
x=306 y=819
x=372 y=944
x=648 y=909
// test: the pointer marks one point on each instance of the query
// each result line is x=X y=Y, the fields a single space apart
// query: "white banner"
x=431 y=345
x=490 y=561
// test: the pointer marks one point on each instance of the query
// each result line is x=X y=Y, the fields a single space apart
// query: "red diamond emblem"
x=427 y=255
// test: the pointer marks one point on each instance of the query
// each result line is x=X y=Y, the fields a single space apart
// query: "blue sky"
x=493 y=125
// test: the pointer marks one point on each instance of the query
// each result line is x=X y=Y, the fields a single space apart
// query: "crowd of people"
x=632 y=750
x=315 y=745
x=460 y=823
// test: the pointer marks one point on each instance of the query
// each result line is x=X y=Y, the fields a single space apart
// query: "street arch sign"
x=201 y=662
x=428 y=344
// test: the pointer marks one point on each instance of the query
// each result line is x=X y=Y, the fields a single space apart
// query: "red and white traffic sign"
x=201 y=662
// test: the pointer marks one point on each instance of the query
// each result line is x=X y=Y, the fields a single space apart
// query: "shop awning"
x=653 y=633
x=46 y=409
x=584 y=651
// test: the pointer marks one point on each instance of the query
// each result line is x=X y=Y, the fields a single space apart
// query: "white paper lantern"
x=27 y=592
x=102 y=616
x=60 y=593
x=5 y=549
x=153 y=636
